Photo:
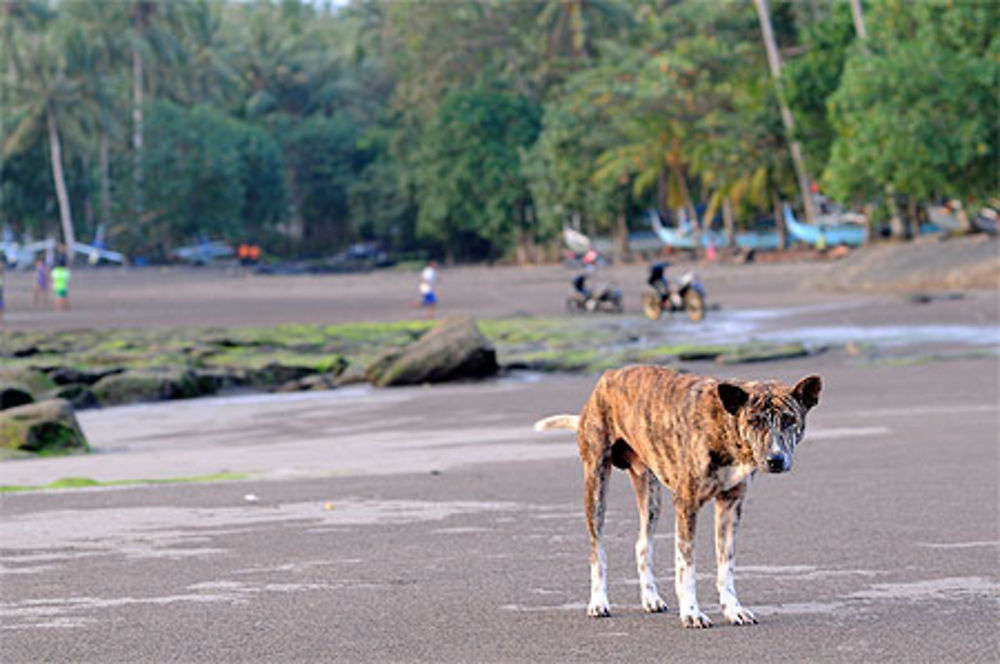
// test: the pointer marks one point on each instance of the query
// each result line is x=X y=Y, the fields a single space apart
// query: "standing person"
x=60 y=285
x=41 y=295
x=428 y=282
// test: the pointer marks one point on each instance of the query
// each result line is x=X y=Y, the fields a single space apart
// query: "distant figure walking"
x=428 y=282
x=41 y=295
x=60 y=285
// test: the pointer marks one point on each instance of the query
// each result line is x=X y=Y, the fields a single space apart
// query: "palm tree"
x=102 y=52
x=774 y=60
x=44 y=94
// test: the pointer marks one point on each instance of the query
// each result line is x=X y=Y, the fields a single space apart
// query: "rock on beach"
x=453 y=350
x=46 y=427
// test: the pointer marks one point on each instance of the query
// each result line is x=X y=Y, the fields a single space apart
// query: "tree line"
x=477 y=129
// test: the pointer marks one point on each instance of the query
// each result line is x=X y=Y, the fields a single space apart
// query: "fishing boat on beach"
x=684 y=238
x=852 y=234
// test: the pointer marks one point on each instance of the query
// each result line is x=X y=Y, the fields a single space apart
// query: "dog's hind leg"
x=728 y=508
x=647 y=499
x=595 y=483
x=684 y=580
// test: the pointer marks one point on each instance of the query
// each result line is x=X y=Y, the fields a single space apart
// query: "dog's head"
x=771 y=417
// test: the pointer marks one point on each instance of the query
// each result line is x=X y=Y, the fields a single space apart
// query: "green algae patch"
x=762 y=353
x=683 y=352
x=87 y=482
x=580 y=360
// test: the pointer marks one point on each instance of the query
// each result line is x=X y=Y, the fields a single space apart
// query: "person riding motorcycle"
x=586 y=299
x=658 y=280
x=580 y=286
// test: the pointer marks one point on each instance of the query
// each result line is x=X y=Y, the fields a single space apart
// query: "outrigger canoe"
x=852 y=235
x=673 y=237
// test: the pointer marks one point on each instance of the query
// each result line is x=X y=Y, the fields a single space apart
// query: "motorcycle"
x=685 y=294
x=605 y=298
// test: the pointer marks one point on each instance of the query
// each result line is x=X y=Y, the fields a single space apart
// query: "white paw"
x=694 y=618
x=737 y=615
x=598 y=607
x=651 y=603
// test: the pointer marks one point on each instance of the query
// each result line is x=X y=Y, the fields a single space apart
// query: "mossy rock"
x=79 y=395
x=35 y=383
x=13 y=395
x=353 y=374
x=312 y=383
x=74 y=376
x=46 y=427
x=455 y=349
x=136 y=386
x=223 y=378
x=273 y=374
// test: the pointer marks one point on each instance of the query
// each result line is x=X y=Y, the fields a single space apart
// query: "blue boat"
x=684 y=239
x=852 y=235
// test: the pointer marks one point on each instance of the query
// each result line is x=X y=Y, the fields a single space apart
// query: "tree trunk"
x=779 y=221
x=689 y=209
x=912 y=222
x=662 y=193
x=105 y=180
x=859 y=23
x=621 y=236
x=137 y=179
x=896 y=229
x=65 y=215
x=728 y=221
x=774 y=60
x=296 y=225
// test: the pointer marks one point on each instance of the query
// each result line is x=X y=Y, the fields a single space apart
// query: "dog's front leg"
x=728 y=508
x=685 y=575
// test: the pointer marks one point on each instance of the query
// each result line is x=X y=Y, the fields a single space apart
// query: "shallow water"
x=764 y=326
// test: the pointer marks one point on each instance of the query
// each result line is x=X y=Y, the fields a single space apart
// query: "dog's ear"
x=807 y=390
x=732 y=397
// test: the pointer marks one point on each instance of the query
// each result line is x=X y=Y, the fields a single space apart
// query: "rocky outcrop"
x=13 y=395
x=80 y=396
x=152 y=385
x=311 y=383
x=46 y=427
x=453 y=350
x=71 y=376
x=34 y=383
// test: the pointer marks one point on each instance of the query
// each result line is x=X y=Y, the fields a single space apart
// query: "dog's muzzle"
x=778 y=463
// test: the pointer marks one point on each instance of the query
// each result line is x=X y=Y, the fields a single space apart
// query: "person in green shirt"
x=60 y=285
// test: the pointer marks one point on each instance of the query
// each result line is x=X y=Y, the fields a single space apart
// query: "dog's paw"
x=739 y=616
x=653 y=604
x=696 y=620
x=598 y=610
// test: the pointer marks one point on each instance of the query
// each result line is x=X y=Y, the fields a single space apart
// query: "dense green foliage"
x=476 y=129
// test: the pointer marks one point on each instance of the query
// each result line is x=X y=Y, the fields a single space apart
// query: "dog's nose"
x=776 y=463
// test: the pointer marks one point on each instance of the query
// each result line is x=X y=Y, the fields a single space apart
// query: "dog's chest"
x=729 y=476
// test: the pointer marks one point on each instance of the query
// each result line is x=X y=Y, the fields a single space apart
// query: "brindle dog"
x=700 y=437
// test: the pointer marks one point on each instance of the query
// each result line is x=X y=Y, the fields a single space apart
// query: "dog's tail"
x=558 y=422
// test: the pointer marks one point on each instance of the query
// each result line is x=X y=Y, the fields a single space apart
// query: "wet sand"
x=177 y=296
x=431 y=524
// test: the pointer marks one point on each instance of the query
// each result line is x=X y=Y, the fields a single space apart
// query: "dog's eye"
x=787 y=421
